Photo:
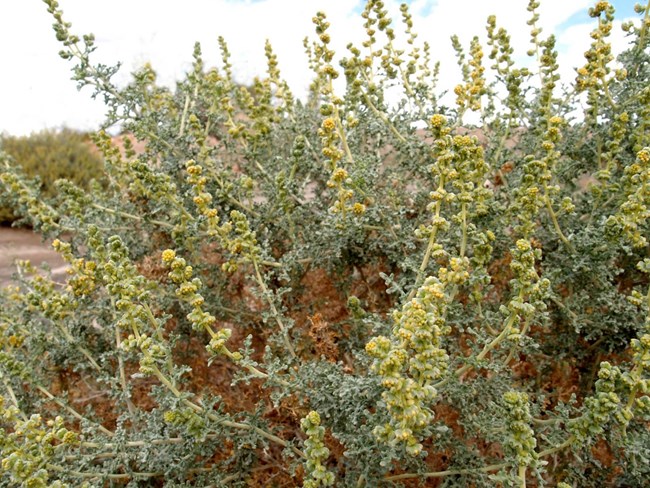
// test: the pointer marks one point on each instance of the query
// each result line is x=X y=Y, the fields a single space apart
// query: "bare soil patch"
x=23 y=244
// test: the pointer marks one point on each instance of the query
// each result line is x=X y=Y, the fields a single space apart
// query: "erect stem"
x=380 y=114
x=184 y=116
x=463 y=242
x=560 y=234
x=644 y=30
x=521 y=473
x=159 y=335
x=274 y=310
x=68 y=336
x=11 y=393
x=432 y=241
x=487 y=348
x=502 y=143
x=339 y=125
x=120 y=364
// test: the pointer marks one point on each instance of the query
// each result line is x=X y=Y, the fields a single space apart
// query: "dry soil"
x=23 y=244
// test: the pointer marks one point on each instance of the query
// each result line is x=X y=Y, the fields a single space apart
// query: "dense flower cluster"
x=31 y=444
x=316 y=452
x=521 y=442
x=635 y=210
x=414 y=359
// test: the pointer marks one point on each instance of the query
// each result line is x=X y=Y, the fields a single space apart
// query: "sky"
x=36 y=91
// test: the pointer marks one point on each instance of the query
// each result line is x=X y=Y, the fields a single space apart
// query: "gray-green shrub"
x=278 y=293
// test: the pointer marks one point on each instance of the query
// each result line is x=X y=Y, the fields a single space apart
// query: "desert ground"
x=23 y=244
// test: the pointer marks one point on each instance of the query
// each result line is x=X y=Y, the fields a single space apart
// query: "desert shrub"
x=279 y=293
x=51 y=155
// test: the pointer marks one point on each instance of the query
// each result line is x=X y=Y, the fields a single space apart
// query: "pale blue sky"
x=36 y=91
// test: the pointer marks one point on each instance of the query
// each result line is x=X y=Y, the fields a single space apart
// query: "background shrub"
x=50 y=155
x=276 y=293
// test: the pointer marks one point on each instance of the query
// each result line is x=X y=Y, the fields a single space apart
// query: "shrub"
x=278 y=293
x=49 y=156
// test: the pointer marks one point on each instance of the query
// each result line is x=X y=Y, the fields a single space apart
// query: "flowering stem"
x=644 y=29
x=405 y=80
x=380 y=114
x=256 y=372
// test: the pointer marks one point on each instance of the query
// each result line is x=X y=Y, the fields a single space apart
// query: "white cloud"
x=37 y=91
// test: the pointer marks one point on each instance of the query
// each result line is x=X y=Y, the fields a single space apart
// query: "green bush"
x=49 y=156
x=278 y=293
